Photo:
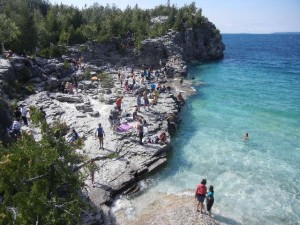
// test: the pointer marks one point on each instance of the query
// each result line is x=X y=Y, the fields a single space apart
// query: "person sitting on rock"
x=172 y=120
x=16 y=128
x=180 y=99
x=135 y=116
x=162 y=138
x=73 y=136
x=70 y=88
x=8 y=54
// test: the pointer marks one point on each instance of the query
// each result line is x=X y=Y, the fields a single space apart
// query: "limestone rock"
x=69 y=98
x=94 y=114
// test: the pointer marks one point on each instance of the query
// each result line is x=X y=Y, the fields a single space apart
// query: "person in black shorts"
x=100 y=134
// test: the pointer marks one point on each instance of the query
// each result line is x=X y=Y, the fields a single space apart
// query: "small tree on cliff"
x=37 y=182
x=8 y=30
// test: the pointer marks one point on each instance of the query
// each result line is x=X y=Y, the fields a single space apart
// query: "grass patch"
x=113 y=155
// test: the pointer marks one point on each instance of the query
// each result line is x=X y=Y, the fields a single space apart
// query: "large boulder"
x=69 y=98
x=53 y=83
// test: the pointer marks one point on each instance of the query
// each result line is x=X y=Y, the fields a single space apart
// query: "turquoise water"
x=254 y=89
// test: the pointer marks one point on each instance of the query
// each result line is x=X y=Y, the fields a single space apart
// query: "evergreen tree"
x=8 y=30
x=37 y=182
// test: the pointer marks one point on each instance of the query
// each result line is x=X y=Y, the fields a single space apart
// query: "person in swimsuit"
x=210 y=199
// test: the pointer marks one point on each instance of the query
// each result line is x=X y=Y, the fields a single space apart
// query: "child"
x=210 y=199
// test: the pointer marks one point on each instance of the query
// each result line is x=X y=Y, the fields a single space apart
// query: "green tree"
x=37 y=181
x=8 y=30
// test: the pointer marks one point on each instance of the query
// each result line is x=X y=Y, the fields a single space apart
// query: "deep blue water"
x=254 y=89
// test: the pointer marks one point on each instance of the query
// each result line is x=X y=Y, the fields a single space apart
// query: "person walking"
x=24 y=112
x=210 y=199
x=139 y=101
x=140 y=129
x=92 y=166
x=200 y=195
x=100 y=134
x=119 y=103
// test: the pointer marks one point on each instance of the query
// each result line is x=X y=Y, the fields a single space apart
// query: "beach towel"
x=124 y=127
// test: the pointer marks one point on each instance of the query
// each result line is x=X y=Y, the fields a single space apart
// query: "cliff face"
x=204 y=43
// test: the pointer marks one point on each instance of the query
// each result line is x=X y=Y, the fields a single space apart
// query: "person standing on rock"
x=140 y=129
x=17 y=113
x=210 y=199
x=24 y=112
x=100 y=134
x=139 y=101
x=200 y=195
x=92 y=166
x=119 y=103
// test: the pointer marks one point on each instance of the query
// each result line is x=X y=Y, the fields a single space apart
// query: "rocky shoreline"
x=123 y=162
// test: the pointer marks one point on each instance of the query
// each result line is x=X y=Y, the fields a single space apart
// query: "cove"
x=254 y=89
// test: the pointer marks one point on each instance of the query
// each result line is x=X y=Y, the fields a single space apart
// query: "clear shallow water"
x=254 y=89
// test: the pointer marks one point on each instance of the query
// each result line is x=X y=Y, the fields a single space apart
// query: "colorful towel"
x=124 y=127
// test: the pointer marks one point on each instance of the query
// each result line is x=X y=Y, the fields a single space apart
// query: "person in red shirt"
x=200 y=194
x=119 y=103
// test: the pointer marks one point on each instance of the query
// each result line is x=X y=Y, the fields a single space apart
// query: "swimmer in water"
x=246 y=137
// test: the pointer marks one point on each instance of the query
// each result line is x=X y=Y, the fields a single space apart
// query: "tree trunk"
x=2 y=49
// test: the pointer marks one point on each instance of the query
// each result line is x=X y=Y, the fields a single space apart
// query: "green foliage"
x=86 y=75
x=67 y=65
x=113 y=155
x=37 y=181
x=25 y=74
x=52 y=52
x=8 y=29
x=60 y=129
x=106 y=80
x=42 y=24
x=35 y=115
x=84 y=48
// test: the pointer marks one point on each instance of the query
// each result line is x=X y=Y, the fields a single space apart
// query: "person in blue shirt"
x=210 y=199
x=100 y=134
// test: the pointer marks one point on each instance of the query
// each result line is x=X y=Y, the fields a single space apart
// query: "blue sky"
x=230 y=16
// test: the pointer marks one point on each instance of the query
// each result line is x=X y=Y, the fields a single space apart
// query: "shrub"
x=106 y=80
x=67 y=65
x=36 y=115
x=86 y=75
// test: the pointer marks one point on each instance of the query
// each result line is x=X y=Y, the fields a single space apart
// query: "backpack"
x=100 y=131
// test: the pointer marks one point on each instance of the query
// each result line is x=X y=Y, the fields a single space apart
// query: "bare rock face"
x=177 y=48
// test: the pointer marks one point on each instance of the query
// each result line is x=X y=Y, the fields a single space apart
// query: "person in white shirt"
x=16 y=128
x=24 y=112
